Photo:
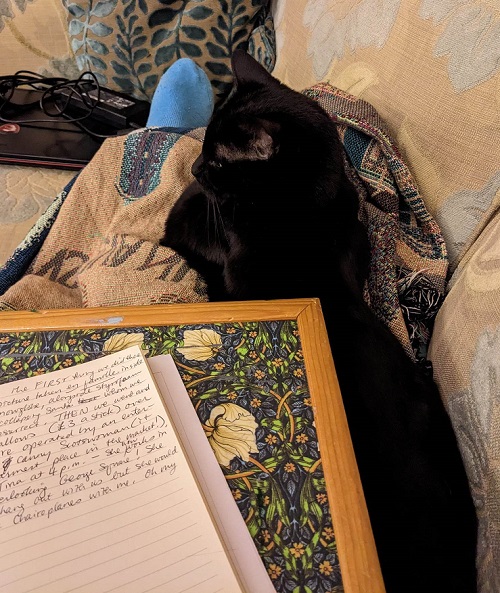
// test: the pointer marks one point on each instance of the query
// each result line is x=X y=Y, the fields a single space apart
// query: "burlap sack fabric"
x=103 y=247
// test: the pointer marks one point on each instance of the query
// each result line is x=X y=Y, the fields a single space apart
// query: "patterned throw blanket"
x=409 y=261
x=98 y=244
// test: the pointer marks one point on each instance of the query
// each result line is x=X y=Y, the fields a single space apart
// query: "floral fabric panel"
x=129 y=44
x=247 y=382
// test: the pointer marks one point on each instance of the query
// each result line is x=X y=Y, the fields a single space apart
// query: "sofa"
x=431 y=68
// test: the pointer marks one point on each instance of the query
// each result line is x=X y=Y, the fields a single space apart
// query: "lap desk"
x=300 y=495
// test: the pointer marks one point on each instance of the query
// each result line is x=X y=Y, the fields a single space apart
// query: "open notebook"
x=99 y=492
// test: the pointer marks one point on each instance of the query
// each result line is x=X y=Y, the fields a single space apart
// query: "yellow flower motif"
x=39 y=372
x=266 y=536
x=289 y=467
x=4 y=340
x=231 y=433
x=186 y=377
x=253 y=334
x=277 y=362
x=67 y=363
x=192 y=392
x=327 y=533
x=121 y=341
x=308 y=401
x=271 y=439
x=26 y=343
x=274 y=571
x=71 y=342
x=301 y=438
x=297 y=550
x=200 y=344
x=95 y=336
x=321 y=498
x=326 y=568
x=232 y=395
x=259 y=374
x=236 y=494
x=230 y=330
x=218 y=366
x=255 y=403
x=266 y=500
x=16 y=365
x=253 y=354
x=298 y=373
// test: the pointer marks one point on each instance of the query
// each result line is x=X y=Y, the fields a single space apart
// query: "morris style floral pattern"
x=247 y=382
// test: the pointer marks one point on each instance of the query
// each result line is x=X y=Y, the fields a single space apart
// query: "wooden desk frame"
x=356 y=547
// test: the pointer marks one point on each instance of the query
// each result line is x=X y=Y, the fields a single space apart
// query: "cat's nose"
x=197 y=166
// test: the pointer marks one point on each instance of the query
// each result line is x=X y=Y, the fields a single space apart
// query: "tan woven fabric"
x=465 y=351
x=103 y=248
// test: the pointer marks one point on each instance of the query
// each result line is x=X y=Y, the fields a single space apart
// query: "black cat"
x=272 y=215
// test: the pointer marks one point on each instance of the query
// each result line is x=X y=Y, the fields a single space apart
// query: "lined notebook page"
x=95 y=492
x=235 y=535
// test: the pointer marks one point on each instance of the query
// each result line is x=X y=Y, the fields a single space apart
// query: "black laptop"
x=56 y=143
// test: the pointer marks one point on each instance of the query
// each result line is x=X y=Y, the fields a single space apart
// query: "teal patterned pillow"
x=128 y=44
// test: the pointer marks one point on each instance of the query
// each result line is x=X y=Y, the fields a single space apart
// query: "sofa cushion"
x=25 y=193
x=129 y=44
x=34 y=36
x=465 y=351
x=432 y=71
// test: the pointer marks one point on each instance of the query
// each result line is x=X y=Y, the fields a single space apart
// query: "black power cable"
x=56 y=97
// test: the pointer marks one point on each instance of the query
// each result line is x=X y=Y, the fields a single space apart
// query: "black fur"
x=272 y=215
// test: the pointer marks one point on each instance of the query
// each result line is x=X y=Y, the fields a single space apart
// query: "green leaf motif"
x=160 y=36
x=199 y=13
x=75 y=10
x=120 y=69
x=98 y=47
x=190 y=49
x=243 y=20
x=195 y=33
x=144 y=68
x=125 y=84
x=218 y=68
x=140 y=54
x=165 y=54
x=100 y=29
x=139 y=41
x=102 y=9
x=97 y=62
x=129 y=9
x=150 y=83
x=120 y=54
x=221 y=23
x=75 y=27
x=219 y=37
x=216 y=51
x=163 y=16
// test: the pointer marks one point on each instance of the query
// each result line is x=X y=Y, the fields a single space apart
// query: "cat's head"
x=264 y=136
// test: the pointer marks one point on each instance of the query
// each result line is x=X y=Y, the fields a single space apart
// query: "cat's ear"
x=262 y=146
x=263 y=143
x=247 y=70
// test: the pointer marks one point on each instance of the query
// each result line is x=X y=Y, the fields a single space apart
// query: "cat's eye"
x=217 y=164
